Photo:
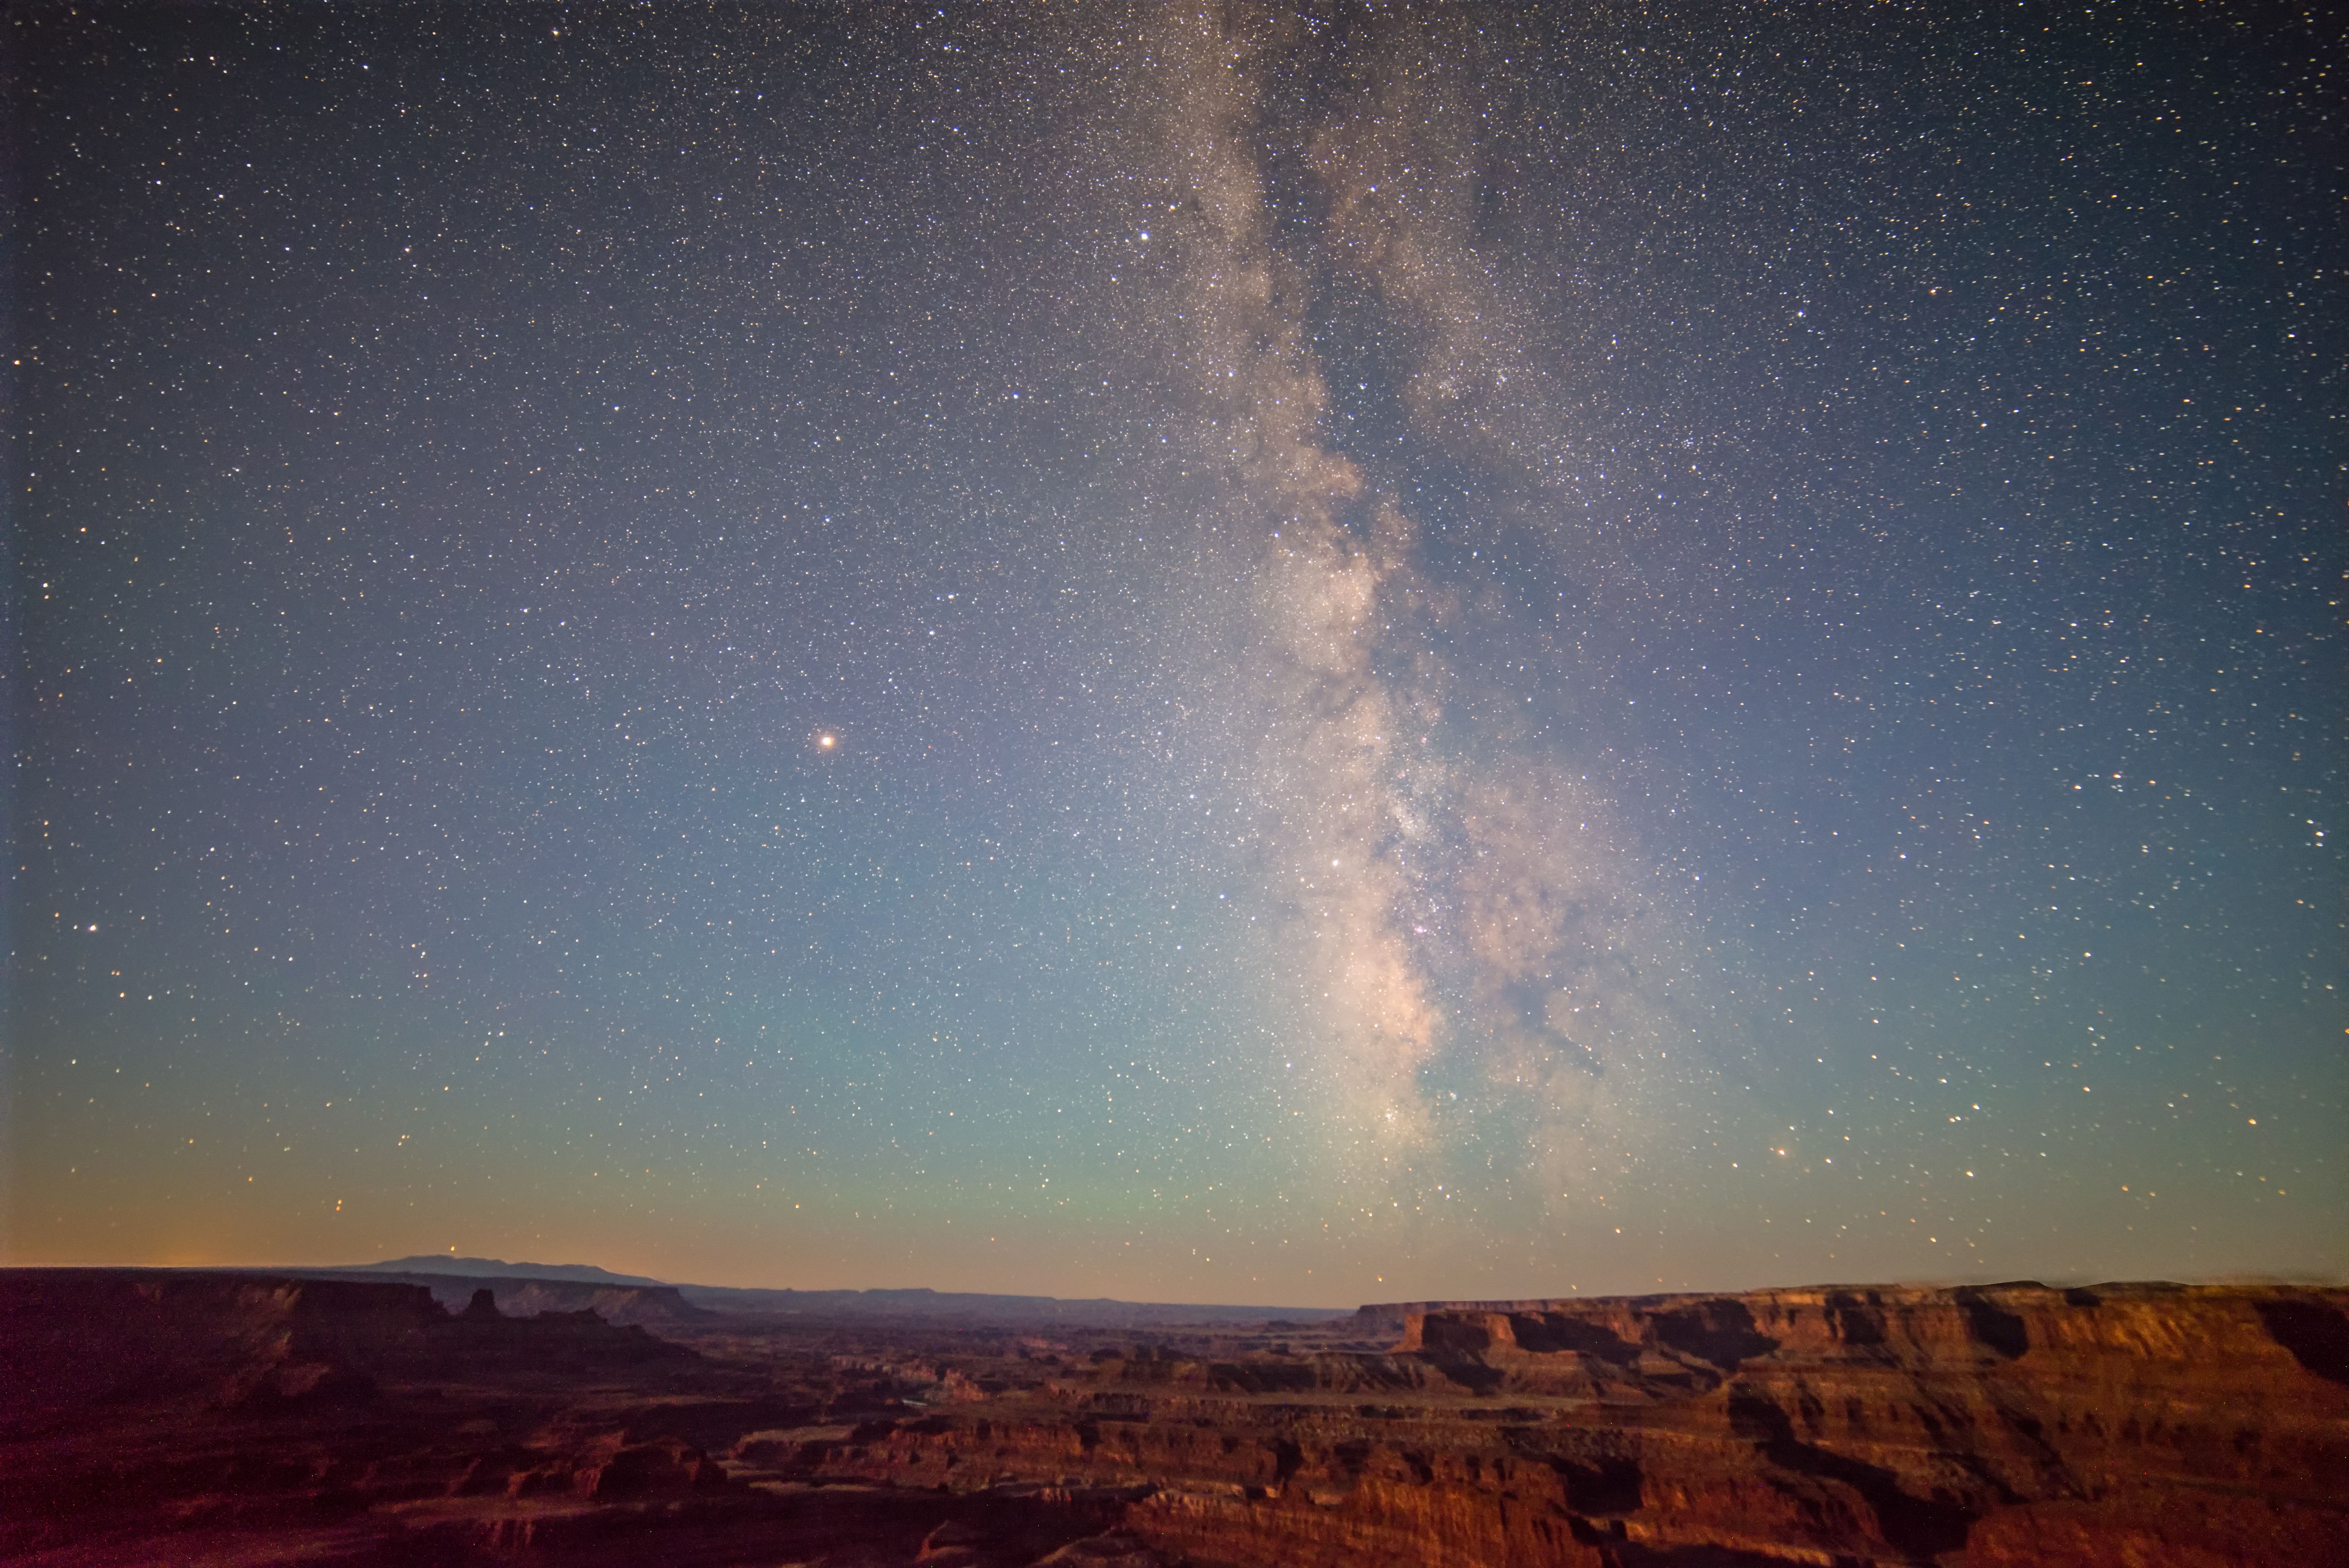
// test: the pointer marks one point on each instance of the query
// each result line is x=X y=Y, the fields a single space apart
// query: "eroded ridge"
x=164 y=1415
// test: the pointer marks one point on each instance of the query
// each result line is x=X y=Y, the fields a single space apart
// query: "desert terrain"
x=224 y=1417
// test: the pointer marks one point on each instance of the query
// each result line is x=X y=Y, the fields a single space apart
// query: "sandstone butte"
x=154 y=1417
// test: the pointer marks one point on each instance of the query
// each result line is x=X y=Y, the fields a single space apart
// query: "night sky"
x=1296 y=656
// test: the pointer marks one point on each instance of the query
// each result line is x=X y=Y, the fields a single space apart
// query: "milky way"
x=1285 y=654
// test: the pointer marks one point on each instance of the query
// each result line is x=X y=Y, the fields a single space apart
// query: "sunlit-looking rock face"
x=331 y=1419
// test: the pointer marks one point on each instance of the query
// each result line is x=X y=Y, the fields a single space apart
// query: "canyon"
x=233 y=1418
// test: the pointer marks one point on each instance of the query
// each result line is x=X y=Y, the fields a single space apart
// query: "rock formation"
x=650 y=1304
x=159 y=1416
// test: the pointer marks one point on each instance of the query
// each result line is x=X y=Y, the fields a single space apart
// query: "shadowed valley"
x=248 y=1419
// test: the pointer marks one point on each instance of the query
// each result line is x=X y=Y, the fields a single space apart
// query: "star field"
x=1294 y=653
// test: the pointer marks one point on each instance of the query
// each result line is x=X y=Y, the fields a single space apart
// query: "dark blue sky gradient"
x=1465 y=653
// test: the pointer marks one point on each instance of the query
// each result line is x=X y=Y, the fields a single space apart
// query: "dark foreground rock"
x=188 y=1418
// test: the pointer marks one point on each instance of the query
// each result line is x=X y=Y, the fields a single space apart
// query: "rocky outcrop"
x=522 y=1295
x=251 y=1420
x=1865 y=1425
x=71 y=1337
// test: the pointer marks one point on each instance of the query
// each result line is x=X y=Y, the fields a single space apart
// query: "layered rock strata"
x=164 y=1416
x=2006 y=1424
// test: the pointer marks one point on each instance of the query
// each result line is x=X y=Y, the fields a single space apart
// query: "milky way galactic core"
x=1293 y=654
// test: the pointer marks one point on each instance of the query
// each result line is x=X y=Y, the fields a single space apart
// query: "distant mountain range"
x=971 y=1306
x=491 y=1268
x=455 y=1277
